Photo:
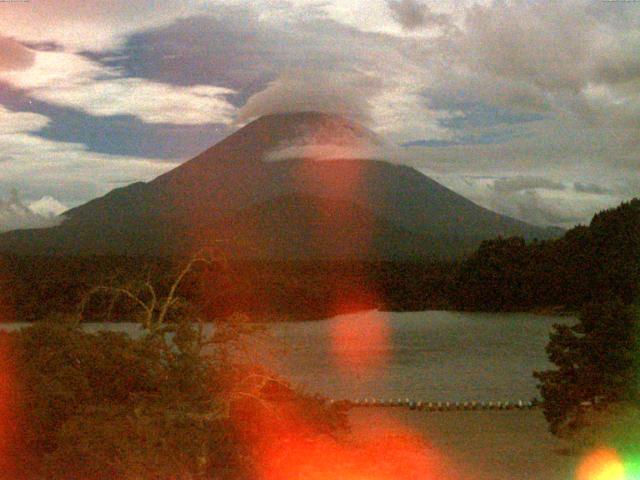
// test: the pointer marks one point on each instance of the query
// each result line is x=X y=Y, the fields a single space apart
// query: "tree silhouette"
x=595 y=361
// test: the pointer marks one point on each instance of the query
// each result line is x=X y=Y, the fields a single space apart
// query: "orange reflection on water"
x=601 y=464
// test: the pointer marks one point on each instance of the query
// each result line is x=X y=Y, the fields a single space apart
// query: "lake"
x=428 y=356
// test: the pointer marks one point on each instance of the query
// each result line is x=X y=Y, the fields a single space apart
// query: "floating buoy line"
x=438 y=406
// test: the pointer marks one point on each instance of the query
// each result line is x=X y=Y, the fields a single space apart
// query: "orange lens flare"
x=602 y=464
x=360 y=343
x=322 y=178
x=342 y=226
x=380 y=454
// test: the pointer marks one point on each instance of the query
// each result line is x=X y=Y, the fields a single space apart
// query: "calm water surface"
x=429 y=356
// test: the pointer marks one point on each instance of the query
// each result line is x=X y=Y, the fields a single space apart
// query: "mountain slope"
x=266 y=185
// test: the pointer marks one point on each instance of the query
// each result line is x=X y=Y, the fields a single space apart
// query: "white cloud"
x=47 y=206
x=65 y=171
x=152 y=102
x=14 y=214
x=538 y=204
x=73 y=81
x=572 y=57
x=19 y=122
x=342 y=93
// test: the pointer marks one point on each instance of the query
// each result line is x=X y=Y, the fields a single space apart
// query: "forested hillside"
x=588 y=264
x=594 y=263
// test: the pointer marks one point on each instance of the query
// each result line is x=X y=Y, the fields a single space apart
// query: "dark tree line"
x=596 y=366
x=588 y=264
x=31 y=288
x=594 y=382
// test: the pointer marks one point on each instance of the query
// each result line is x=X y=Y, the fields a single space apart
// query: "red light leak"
x=7 y=404
x=8 y=387
x=8 y=400
x=316 y=176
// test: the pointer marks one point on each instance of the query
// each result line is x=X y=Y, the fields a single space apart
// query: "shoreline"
x=559 y=312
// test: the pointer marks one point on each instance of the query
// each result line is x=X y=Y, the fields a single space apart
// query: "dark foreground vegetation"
x=588 y=264
x=170 y=404
x=596 y=369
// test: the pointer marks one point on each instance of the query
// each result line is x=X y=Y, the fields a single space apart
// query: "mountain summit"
x=287 y=186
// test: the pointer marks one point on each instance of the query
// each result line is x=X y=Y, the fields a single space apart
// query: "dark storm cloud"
x=412 y=14
x=521 y=183
x=478 y=115
x=234 y=49
x=485 y=138
x=591 y=188
x=44 y=46
x=115 y=135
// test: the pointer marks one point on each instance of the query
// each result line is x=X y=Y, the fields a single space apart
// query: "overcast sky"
x=529 y=108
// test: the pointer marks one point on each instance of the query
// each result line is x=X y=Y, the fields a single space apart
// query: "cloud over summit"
x=346 y=94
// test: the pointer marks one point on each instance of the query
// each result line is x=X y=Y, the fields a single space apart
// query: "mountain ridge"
x=235 y=175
